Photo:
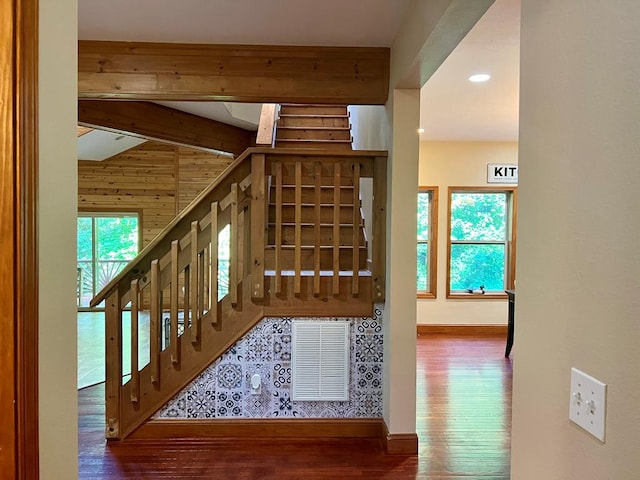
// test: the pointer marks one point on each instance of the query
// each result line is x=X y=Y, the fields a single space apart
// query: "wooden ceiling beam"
x=157 y=122
x=239 y=73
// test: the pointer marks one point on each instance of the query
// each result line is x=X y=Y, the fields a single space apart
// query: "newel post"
x=379 y=253
x=258 y=225
x=113 y=364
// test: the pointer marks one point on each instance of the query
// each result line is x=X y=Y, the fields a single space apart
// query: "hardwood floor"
x=463 y=423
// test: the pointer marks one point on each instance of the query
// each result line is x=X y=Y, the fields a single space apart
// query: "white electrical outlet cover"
x=588 y=403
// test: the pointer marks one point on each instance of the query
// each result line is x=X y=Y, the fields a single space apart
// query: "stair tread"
x=284 y=127
x=311 y=140
x=323 y=105
x=310 y=204
x=313 y=224
x=313 y=115
x=325 y=247
x=304 y=185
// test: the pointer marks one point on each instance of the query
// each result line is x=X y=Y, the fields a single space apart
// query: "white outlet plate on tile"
x=588 y=403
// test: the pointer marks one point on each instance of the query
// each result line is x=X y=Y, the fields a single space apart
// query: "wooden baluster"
x=316 y=250
x=356 y=229
x=258 y=223
x=278 y=240
x=336 y=229
x=298 y=229
x=242 y=244
x=214 y=263
x=193 y=272
x=201 y=290
x=175 y=286
x=379 y=227
x=154 y=322
x=185 y=299
x=233 y=247
x=113 y=363
x=135 y=373
x=205 y=304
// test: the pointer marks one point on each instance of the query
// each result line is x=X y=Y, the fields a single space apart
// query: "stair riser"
x=307 y=257
x=308 y=235
x=310 y=144
x=333 y=121
x=320 y=134
x=308 y=214
x=313 y=109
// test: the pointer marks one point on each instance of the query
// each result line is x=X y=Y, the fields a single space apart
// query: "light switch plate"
x=588 y=403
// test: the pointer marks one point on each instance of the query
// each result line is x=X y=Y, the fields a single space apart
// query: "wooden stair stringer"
x=233 y=323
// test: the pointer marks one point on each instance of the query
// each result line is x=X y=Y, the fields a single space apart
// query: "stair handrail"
x=237 y=172
x=183 y=259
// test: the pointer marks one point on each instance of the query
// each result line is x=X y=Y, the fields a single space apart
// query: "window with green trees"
x=106 y=243
x=481 y=241
x=427 y=236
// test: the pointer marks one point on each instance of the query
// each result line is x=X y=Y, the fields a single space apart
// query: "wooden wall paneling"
x=141 y=179
x=156 y=180
x=243 y=73
x=239 y=172
x=157 y=122
x=197 y=170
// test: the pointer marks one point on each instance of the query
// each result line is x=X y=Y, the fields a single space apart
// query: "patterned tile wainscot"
x=223 y=390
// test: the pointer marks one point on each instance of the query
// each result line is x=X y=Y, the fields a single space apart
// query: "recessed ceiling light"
x=421 y=130
x=479 y=77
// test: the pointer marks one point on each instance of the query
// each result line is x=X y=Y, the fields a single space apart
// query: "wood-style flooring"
x=463 y=424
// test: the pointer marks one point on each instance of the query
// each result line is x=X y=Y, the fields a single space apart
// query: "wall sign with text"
x=502 y=173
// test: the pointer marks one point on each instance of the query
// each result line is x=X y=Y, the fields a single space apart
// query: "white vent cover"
x=320 y=360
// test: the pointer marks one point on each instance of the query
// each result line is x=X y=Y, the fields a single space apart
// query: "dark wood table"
x=512 y=307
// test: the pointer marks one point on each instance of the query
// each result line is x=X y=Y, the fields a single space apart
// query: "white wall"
x=445 y=164
x=57 y=236
x=369 y=127
x=579 y=224
x=400 y=309
x=429 y=32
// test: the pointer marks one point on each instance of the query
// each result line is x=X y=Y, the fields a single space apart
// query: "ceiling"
x=264 y=22
x=452 y=108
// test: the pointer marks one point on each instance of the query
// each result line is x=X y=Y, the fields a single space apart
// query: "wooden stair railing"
x=177 y=274
x=297 y=247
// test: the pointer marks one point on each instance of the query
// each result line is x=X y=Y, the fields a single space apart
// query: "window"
x=106 y=243
x=481 y=241
x=427 y=240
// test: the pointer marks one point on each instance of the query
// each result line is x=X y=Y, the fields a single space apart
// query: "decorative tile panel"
x=223 y=390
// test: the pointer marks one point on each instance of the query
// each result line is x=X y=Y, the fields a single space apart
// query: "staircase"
x=298 y=247
x=314 y=126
